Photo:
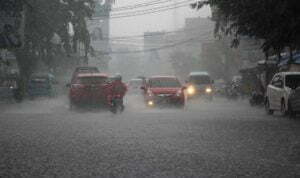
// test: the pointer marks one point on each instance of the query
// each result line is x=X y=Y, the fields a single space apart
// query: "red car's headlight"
x=179 y=93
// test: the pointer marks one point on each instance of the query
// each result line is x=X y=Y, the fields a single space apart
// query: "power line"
x=151 y=10
x=147 y=11
x=155 y=49
x=151 y=35
x=129 y=7
x=160 y=41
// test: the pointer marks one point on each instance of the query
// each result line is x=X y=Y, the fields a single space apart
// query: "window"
x=292 y=81
x=91 y=80
x=277 y=81
x=274 y=80
x=200 y=79
x=164 y=83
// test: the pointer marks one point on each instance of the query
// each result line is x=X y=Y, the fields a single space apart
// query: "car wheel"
x=283 y=108
x=291 y=113
x=267 y=108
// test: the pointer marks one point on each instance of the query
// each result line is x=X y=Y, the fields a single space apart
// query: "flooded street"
x=206 y=139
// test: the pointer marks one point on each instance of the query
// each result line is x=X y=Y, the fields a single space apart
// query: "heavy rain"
x=149 y=88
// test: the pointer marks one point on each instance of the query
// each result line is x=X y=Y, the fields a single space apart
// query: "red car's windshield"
x=164 y=83
x=91 y=80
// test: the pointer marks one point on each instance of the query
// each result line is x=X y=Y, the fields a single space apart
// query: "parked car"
x=294 y=102
x=84 y=69
x=8 y=88
x=282 y=93
x=134 y=86
x=41 y=84
x=88 y=89
x=164 y=90
x=200 y=84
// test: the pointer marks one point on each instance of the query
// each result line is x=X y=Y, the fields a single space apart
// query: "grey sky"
x=162 y=21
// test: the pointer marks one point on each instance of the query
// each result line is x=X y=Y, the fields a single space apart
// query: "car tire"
x=283 y=108
x=267 y=108
x=292 y=114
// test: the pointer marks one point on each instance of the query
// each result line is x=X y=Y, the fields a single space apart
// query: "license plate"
x=164 y=95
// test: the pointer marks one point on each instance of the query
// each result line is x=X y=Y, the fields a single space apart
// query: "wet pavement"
x=42 y=138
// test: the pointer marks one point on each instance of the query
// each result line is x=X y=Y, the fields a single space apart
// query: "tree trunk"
x=268 y=71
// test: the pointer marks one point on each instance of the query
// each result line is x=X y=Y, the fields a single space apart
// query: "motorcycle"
x=117 y=105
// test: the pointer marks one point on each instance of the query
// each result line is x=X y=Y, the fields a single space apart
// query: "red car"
x=163 y=90
x=89 y=88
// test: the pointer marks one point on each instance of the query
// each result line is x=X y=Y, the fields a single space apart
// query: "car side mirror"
x=143 y=88
x=184 y=88
x=68 y=85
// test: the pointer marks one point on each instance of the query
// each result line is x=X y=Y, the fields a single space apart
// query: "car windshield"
x=91 y=80
x=135 y=82
x=87 y=70
x=164 y=83
x=292 y=81
x=200 y=79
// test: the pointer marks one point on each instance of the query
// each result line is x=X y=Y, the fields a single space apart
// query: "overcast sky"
x=162 y=21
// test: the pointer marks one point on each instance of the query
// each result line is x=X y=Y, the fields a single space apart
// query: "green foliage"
x=12 y=7
x=46 y=18
x=274 y=21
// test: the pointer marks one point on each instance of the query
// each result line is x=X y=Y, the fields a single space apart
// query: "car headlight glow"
x=208 y=90
x=150 y=103
x=191 y=90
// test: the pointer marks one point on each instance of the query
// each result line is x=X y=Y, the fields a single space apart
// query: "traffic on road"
x=149 y=88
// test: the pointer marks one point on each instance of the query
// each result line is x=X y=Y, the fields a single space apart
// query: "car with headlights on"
x=200 y=84
x=88 y=89
x=164 y=90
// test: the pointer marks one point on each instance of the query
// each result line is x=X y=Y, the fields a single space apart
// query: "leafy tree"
x=46 y=19
x=274 y=21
